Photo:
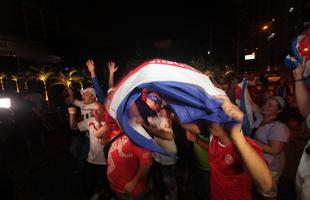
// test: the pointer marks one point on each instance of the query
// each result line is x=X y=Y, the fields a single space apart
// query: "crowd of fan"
x=225 y=165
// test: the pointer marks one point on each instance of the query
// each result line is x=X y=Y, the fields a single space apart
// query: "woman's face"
x=271 y=107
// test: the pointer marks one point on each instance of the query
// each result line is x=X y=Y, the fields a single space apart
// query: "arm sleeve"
x=279 y=132
x=99 y=91
x=83 y=125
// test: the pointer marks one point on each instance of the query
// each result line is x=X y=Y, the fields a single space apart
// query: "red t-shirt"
x=124 y=160
x=229 y=180
x=238 y=92
x=114 y=129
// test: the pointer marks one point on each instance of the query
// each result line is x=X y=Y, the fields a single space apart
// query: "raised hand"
x=72 y=110
x=112 y=67
x=90 y=65
x=230 y=109
x=298 y=72
x=129 y=187
x=191 y=136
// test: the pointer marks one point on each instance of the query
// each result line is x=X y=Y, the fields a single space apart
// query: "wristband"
x=301 y=79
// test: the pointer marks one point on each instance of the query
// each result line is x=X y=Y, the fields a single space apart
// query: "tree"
x=43 y=74
x=2 y=76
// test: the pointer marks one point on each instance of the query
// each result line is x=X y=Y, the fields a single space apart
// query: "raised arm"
x=96 y=84
x=164 y=132
x=73 y=122
x=302 y=95
x=112 y=70
x=101 y=131
x=196 y=139
x=254 y=164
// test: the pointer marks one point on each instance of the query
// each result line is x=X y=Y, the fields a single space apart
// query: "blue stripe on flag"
x=295 y=50
x=189 y=102
x=246 y=128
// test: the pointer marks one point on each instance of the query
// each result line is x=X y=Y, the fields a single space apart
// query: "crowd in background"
x=70 y=136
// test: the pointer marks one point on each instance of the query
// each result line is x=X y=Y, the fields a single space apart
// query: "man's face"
x=98 y=111
x=88 y=98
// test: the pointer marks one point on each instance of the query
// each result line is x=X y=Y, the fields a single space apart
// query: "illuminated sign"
x=249 y=56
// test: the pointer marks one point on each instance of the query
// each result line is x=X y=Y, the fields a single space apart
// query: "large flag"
x=300 y=46
x=246 y=108
x=189 y=93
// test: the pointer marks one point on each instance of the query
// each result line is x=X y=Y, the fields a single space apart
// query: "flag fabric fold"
x=188 y=92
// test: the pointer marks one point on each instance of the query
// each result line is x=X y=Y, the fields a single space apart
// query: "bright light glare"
x=5 y=102
x=249 y=56
x=265 y=27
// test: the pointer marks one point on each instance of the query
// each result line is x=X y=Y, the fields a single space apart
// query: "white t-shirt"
x=170 y=147
x=86 y=109
x=275 y=131
x=302 y=182
x=95 y=153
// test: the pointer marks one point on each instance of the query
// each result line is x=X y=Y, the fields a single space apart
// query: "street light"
x=265 y=27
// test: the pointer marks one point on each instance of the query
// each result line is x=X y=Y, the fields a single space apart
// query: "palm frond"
x=67 y=79
x=2 y=76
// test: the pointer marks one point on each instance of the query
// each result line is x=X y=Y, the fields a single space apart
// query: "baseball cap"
x=90 y=90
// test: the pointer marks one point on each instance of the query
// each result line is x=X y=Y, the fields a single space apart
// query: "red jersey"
x=124 y=160
x=229 y=180
x=114 y=129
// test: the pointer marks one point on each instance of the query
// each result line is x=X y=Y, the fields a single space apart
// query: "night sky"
x=114 y=30
x=122 y=31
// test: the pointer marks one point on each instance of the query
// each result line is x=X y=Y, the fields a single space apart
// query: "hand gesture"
x=112 y=67
x=298 y=72
x=191 y=136
x=72 y=110
x=90 y=65
x=230 y=109
x=129 y=187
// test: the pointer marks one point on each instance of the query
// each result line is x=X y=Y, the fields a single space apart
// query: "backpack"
x=107 y=146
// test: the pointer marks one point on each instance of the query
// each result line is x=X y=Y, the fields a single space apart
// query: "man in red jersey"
x=128 y=168
x=235 y=160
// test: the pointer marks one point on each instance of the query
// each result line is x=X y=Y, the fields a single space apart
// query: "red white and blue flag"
x=300 y=46
x=188 y=92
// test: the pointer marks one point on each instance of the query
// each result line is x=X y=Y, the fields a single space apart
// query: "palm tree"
x=42 y=75
x=2 y=76
x=16 y=77
x=68 y=78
